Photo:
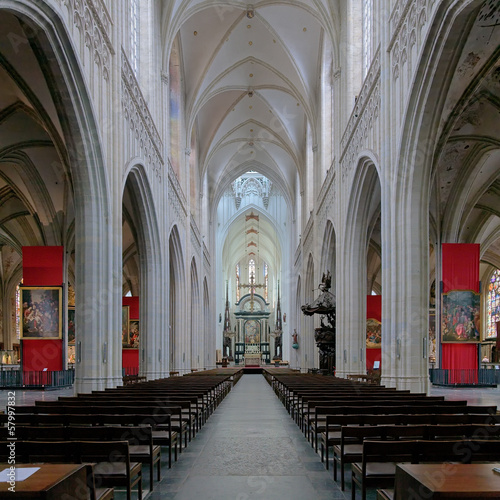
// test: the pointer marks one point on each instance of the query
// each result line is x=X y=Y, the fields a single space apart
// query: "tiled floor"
x=251 y=449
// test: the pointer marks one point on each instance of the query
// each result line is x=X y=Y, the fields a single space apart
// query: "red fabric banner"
x=130 y=361
x=373 y=355
x=460 y=266
x=43 y=266
x=42 y=354
x=460 y=271
x=130 y=357
x=133 y=302
x=374 y=307
x=373 y=311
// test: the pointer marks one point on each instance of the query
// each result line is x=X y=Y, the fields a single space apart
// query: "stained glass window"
x=266 y=280
x=237 y=282
x=134 y=34
x=251 y=272
x=493 y=314
x=367 y=35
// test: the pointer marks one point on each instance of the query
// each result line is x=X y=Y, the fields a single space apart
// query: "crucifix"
x=252 y=285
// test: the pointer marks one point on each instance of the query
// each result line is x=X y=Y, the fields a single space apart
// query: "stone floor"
x=251 y=449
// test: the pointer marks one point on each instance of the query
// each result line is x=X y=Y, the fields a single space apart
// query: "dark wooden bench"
x=179 y=421
x=140 y=439
x=333 y=424
x=379 y=458
x=161 y=425
x=110 y=460
x=320 y=412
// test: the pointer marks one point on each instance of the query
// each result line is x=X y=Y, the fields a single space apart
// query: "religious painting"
x=460 y=316
x=41 y=312
x=432 y=336
x=71 y=325
x=252 y=332
x=125 y=325
x=71 y=354
x=373 y=334
x=133 y=342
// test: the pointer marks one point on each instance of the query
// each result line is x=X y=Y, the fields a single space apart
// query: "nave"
x=249 y=449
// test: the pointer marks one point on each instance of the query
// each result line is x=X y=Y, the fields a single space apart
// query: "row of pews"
x=117 y=430
x=373 y=428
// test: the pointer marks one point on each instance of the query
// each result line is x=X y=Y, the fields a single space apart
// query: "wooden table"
x=51 y=482
x=437 y=481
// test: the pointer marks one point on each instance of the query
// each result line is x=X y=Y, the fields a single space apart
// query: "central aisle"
x=250 y=448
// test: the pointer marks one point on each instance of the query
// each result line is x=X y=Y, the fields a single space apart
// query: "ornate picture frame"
x=71 y=326
x=373 y=334
x=461 y=317
x=125 y=326
x=41 y=312
x=134 y=334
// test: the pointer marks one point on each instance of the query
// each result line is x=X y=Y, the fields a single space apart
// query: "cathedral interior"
x=204 y=164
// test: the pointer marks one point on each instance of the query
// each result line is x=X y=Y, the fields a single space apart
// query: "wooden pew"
x=161 y=425
x=379 y=458
x=112 y=466
x=323 y=411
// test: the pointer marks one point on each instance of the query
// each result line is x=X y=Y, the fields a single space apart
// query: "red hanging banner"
x=43 y=267
x=130 y=356
x=460 y=271
x=373 y=330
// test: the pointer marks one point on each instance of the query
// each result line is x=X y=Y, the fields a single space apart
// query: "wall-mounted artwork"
x=252 y=332
x=460 y=316
x=71 y=326
x=373 y=334
x=41 y=312
x=133 y=342
x=125 y=326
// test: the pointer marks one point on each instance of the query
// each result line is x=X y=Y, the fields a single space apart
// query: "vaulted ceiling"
x=252 y=82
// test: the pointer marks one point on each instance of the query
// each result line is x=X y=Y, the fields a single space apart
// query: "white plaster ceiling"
x=251 y=84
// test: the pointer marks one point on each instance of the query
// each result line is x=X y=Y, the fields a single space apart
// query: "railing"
x=481 y=377
x=130 y=370
x=34 y=380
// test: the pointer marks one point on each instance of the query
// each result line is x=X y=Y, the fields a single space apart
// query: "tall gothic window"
x=251 y=271
x=266 y=280
x=237 y=282
x=493 y=304
x=134 y=35
x=367 y=34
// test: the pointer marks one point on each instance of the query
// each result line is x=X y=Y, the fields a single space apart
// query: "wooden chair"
x=112 y=465
x=140 y=441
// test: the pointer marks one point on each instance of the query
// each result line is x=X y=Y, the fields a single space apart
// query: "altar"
x=252 y=359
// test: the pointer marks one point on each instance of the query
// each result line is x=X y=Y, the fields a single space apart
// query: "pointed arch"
x=83 y=150
x=176 y=299
x=143 y=213
x=195 y=326
x=207 y=339
x=328 y=252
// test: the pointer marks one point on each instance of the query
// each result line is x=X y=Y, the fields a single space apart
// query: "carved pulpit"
x=325 y=305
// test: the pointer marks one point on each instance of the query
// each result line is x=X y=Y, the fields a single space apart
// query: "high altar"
x=252 y=340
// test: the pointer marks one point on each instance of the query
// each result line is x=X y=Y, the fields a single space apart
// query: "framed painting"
x=41 y=312
x=133 y=342
x=373 y=334
x=71 y=326
x=432 y=335
x=460 y=316
x=125 y=325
